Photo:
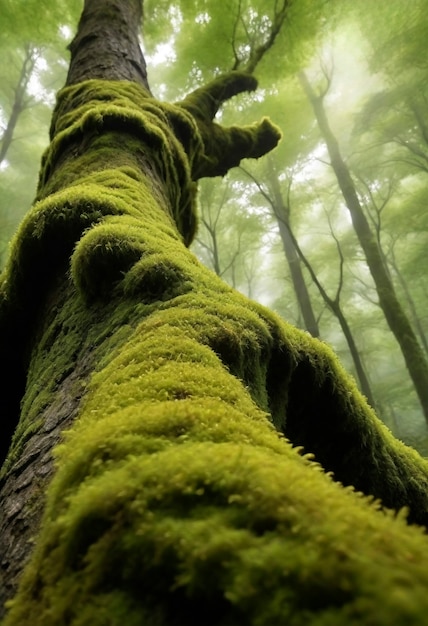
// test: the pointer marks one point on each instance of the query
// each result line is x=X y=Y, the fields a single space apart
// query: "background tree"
x=230 y=233
x=33 y=68
x=395 y=315
x=281 y=212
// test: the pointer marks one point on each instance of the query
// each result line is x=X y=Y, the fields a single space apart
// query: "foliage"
x=36 y=21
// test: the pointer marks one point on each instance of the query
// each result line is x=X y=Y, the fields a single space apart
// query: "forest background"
x=280 y=231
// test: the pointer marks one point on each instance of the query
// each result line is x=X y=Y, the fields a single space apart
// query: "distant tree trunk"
x=411 y=303
x=212 y=249
x=335 y=307
x=19 y=100
x=281 y=213
x=213 y=216
x=173 y=500
x=395 y=315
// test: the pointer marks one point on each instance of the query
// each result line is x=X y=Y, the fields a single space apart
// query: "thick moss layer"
x=176 y=500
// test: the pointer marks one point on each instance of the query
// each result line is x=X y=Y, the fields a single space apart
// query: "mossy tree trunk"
x=395 y=315
x=173 y=499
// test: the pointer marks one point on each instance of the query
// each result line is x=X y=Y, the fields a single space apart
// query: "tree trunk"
x=19 y=103
x=411 y=305
x=172 y=499
x=98 y=52
x=281 y=212
x=395 y=315
x=282 y=215
x=336 y=309
x=294 y=256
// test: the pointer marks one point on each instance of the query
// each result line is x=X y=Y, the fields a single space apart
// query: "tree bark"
x=172 y=499
x=98 y=52
x=395 y=315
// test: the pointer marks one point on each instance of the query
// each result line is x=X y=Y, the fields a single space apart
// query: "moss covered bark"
x=175 y=498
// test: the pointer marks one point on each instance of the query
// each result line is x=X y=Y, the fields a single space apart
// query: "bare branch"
x=258 y=53
x=234 y=32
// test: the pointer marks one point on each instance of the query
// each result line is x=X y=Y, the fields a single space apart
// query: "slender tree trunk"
x=412 y=306
x=336 y=309
x=395 y=315
x=297 y=278
x=19 y=103
x=282 y=214
x=294 y=256
x=356 y=358
x=172 y=499
x=213 y=249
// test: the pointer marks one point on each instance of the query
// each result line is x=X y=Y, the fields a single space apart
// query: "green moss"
x=173 y=481
x=242 y=526
x=91 y=112
x=102 y=256
x=224 y=148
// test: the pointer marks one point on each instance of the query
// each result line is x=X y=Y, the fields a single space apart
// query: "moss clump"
x=102 y=256
x=95 y=113
x=197 y=502
x=224 y=148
